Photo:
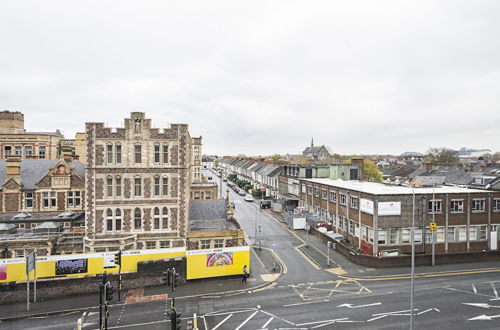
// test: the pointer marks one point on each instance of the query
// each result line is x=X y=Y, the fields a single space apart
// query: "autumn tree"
x=275 y=157
x=441 y=156
x=370 y=170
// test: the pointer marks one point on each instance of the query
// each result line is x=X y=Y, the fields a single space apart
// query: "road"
x=309 y=298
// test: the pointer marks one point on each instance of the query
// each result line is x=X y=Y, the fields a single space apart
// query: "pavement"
x=315 y=249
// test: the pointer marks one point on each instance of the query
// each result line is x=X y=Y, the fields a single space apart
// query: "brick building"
x=138 y=184
x=14 y=140
x=375 y=217
x=41 y=204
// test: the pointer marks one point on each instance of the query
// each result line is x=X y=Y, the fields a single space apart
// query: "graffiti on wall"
x=75 y=266
x=219 y=259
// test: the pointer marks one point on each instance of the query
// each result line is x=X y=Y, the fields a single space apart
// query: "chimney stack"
x=13 y=166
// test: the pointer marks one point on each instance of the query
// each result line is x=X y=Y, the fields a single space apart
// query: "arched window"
x=118 y=220
x=137 y=218
x=164 y=218
x=156 y=218
x=109 y=220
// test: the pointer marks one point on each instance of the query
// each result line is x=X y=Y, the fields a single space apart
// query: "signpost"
x=307 y=227
x=328 y=244
x=30 y=265
x=274 y=257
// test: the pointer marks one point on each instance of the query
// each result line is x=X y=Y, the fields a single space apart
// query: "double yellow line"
x=430 y=275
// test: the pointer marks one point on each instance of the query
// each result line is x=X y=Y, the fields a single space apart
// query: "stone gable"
x=11 y=202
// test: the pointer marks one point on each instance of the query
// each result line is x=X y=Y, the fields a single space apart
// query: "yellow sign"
x=432 y=225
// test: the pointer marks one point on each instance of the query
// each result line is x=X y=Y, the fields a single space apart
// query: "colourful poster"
x=219 y=259
x=3 y=272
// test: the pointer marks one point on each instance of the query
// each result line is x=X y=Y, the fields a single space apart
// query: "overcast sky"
x=261 y=77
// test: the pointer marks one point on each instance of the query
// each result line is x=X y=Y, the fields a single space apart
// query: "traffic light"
x=177 y=320
x=118 y=258
x=165 y=277
x=177 y=279
x=109 y=291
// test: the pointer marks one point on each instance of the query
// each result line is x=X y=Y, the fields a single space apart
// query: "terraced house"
x=138 y=182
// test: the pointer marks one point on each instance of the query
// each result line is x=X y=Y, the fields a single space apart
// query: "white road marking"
x=474 y=288
x=423 y=312
x=464 y=291
x=267 y=323
x=494 y=290
x=322 y=322
x=306 y=303
x=484 y=318
x=392 y=313
x=221 y=322
x=378 y=317
x=482 y=305
x=330 y=322
x=245 y=322
x=352 y=306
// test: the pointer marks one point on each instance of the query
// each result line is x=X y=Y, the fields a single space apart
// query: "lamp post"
x=433 y=232
x=412 y=285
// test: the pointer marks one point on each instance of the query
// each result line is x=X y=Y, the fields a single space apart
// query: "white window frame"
x=459 y=206
x=478 y=205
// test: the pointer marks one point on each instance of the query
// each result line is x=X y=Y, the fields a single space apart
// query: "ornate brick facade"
x=141 y=184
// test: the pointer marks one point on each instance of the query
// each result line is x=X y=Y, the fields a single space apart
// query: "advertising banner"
x=3 y=272
x=389 y=208
x=384 y=208
x=366 y=205
x=219 y=259
x=74 y=266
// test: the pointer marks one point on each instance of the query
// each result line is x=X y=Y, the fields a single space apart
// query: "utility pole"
x=433 y=232
x=412 y=285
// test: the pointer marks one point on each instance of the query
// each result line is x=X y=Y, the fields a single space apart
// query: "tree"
x=371 y=172
x=496 y=156
x=275 y=157
x=441 y=156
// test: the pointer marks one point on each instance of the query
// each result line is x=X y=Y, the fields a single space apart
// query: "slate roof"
x=33 y=170
x=429 y=181
x=214 y=209
x=314 y=150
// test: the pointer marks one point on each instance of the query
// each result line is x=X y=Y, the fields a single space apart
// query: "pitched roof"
x=214 y=209
x=33 y=170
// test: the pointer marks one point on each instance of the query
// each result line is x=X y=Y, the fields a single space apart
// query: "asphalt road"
x=309 y=298
x=445 y=302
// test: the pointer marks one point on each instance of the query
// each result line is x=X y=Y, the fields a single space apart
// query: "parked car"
x=242 y=192
x=248 y=198
x=265 y=204
x=225 y=180
x=209 y=178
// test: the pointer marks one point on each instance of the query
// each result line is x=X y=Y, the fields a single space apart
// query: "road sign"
x=307 y=227
x=432 y=225
x=30 y=262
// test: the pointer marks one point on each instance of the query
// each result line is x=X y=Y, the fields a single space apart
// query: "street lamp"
x=412 y=285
